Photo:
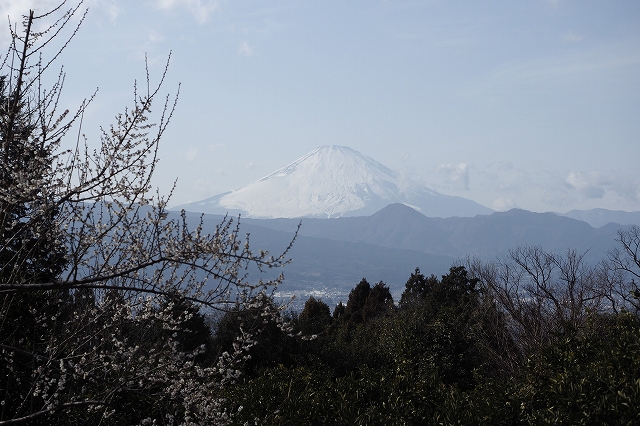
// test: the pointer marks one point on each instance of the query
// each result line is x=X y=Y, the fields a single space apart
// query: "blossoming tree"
x=97 y=279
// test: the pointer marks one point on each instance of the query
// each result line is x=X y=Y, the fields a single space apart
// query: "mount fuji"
x=333 y=181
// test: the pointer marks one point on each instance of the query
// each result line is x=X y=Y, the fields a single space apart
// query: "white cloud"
x=110 y=8
x=14 y=10
x=572 y=37
x=200 y=9
x=245 y=49
x=191 y=153
x=505 y=177
x=503 y=204
x=589 y=185
x=503 y=185
x=155 y=36
x=628 y=188
x=456 y=175
x=586 y=190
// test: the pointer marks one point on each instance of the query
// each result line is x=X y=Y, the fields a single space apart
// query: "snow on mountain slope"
x=333 y=181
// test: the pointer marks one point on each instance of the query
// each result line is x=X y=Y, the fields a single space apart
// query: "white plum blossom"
x=129 y=264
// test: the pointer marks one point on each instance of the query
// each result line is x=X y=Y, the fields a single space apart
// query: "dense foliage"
x=449 y=353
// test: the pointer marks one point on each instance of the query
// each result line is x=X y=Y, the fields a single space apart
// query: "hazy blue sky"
x=532 y=104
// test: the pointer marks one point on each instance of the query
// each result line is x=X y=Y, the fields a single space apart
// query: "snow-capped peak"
x=337 y=160
x=332 y=181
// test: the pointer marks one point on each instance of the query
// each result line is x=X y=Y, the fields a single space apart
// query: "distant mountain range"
x=360 y=219
x=333 y=181
x=601 y=217
x=482 y=236
x=330 y=256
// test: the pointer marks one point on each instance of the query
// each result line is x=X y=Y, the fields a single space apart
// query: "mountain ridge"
x=330 y=256
x=601 y=217
x=485 y=236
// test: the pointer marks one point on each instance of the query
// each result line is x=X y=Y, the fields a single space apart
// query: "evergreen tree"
x=339 y=311
x=315 y=317
x=31 y=248
x=417 y=287
x=357 y=300
x=379 y=302
x=191 y=326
